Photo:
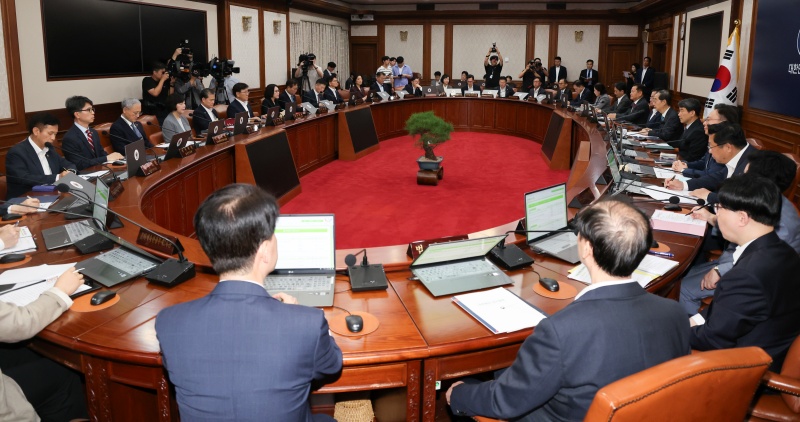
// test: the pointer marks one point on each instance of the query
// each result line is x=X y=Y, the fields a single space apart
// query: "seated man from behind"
x=127 y=129
x=81 y=144
x=757 y=302
x=613 y=329
x=240 y=354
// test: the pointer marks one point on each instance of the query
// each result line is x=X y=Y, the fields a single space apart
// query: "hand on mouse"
x=9 y=234
x=69 y=281
x=283 y=297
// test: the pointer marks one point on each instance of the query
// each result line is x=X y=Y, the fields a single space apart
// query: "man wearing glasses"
x=81 y=144
x=127 y=129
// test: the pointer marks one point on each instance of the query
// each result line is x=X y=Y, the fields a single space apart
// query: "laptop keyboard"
x=636 y=168
x=298 y=283
x=77 y=231
x=458 y=269
x=125 y=261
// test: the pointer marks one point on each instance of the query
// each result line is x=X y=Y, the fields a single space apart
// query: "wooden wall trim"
x=602 y=56
x=530 y=47
x=13 y=70
x=448 y=51
x=381 y=42
x=426 y=54
x=553 y=45
x=262 y=62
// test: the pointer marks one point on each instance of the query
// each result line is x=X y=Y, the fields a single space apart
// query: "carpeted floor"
x=377 y=201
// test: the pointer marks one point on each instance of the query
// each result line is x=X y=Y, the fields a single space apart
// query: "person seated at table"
x=464 y=76
x=413 y=88
x=240 y=353
x=81 y=144
x=603 y=101
x=175 y=122
x=31 y=162
x=582 y=93
x=693 y=143
x=510 y=83
x=638 y=113
x=314 y=96
x=623 y=104
x=564 y=94
x=707 y=165
x=537 y=88
x=127 y=129
x=289 y=94
x=504 y=91
x=357 y=90
x=241 y=96
x=28 y=206
x=612 y=329
x=444 y=84
x=670 y=127
x=379 y=85
x=701 y=279
x=33 y=387
x=470 y=86
x=271 y=96
x=757 y=302
x=205 y=114
x=331 y=93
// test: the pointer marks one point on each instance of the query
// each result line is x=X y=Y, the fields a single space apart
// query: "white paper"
x=669 y=174
x=521 y=95
x=88 y=176
x=166 y=144
x=648 y=270
x=28 y=275
x=500 y=310
x=26 y=243
x=674 y=217
x=23 y=297
x=663 y=194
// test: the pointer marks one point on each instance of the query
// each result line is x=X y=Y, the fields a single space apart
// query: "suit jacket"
x=201 y=119
x=24 y=170
x=357 y=93
x=236 y=107
x=623 y=105
x=238 y=354
x=704 y=166
x=693 y=143
x=311 y=97
x=284 y=98
x=171 y=128
x=77 y=150
x=638 y=114
x=649 y=78
x=671 y=129
x=121 y=135
x=536 y=93
x=607 y=334
x=585 y=95
x=565 y=94
x=413 y=92
x=603 y=102
x=756 y=303
x=713 y=180
x=592 y=81
x=562 y=74
x=332 y=96
x=376 y=87
x=475 y=88
x=509 y=91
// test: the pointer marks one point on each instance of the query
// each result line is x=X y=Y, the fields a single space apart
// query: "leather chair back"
x=157 y=138
x=105 y=137
x=222 y=110
x=714 y=386
x=188 y=115
x=3 y=187
x=755 y=143
x=345 y=94
x=150 y=125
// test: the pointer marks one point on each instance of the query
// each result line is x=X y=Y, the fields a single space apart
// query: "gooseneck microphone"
x=511 y=257
x=350 y=259
x=116 y=178
x=365 y=277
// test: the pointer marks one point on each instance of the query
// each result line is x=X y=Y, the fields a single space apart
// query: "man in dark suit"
x=31 y=162
x=589 y=76
x=204 y=114
x=126 y=129
x=289 y=94
x=81 y=144
x=313 y=97
x=646 y=77
x=612 y=329
x=379 y=85
x=331 y=93
x=537 y=89
x=557 y=73
x=757 y=302
x=413 y=88
x=707 y=165
x=564 y=93
x=669 y=129
x=623 y=105
x=470 y=86
x=639 y=108
x=693 y=143
x=241 y=95
x=582 y=93
x=503 y=90
x=239 y=353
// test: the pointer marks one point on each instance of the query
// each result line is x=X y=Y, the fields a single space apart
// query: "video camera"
x=494 y=47
x=220 y=68
x=181 y=67
x=307 y=61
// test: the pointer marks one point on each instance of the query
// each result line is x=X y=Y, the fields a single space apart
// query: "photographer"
x=307 y=62
x=155 y=89
x=533 y=70
x=188 y=81
x=493 y=63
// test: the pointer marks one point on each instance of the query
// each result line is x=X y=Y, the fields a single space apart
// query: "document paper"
x=26 y=243
x=648 y=270
x=679 y=223
x=31 y=282
x=500 y=310
x=663 y=194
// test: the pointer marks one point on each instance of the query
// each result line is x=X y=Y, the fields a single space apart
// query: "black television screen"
x=705 y=36
x=362 y=129
x=552 y=135
x=272 y=164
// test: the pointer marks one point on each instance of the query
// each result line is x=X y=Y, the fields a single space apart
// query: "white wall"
x=437 y=50
x=411 y=49
x=243 y=43
x=542 y=47
x=471 y=43
x=5 y=100
x=40 y=94
x=693 y=84
x=574 y=54
x=275 y=65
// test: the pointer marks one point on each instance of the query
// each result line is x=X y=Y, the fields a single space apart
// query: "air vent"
x=556 y=6
x=426 y=6
x=487 y=6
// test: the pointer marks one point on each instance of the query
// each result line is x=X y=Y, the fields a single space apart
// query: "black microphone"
x=169 y=273
x=672 y=206
x=116 y=179
x=511 y=257
x=365 y=277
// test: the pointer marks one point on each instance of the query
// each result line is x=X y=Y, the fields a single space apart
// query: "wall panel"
x=575 y=53
x=275 y=57
x=437 y=49
x=472 y=42
x=411 y=49
x=244 y=45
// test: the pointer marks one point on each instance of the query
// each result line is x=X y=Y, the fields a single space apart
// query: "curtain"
x=330 y=43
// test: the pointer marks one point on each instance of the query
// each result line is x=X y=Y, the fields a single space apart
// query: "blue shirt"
x=397 y=71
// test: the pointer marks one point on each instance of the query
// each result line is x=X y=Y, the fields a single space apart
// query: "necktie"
x=589 y=74
x=89 y=138
x=319 y=97
x=136 y=130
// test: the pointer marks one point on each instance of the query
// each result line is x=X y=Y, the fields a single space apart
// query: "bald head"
x=618 y=233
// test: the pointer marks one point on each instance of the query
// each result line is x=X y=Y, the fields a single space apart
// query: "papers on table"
x=663 y=194
x=659 y=145
x=521 y=95
x=166 y=144
x=44 y=201
x=676 y=222
x=669 y=174
x=648 y=270
x=500 y=310
x=24 y=285
x=93 y=175
x=641 y=136
x=25 y=244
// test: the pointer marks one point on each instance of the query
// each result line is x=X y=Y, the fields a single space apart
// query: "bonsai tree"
x=431 y=129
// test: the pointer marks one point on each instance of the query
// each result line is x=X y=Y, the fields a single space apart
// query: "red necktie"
x=89 y=138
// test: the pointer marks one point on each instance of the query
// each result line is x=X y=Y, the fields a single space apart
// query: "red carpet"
x=377 y=201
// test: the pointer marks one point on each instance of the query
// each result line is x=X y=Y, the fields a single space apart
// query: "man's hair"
x=464 y=72
x=774 y=166
x=536 y=78
x=75 y=104
x=664 y=95
x=290 y=83
x=129 y=102
x=158 y=66
x=400 y=59
x=384 y=58
x=392 y=58
x=690 y=104
x=321 y=81
x=557 y=58
x=379 y=74
x=437 y=73
x=40 y=120
x=648 y=58
x=621 y=86
x=238 y=87
x=413 y=78
x=590 y=61
x=562 y=80
x=730 y=133
x=232 y=223
x=578 y=83
x=619 y=233
x=207 y=92
x=639 y=87
x=600 y=88
x=173 y=100
x=493 y=57
x=332 y=64
x=728 y=112
x=471 y=76
x=759 y=197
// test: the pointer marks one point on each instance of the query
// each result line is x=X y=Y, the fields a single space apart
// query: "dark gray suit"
x=24 y=170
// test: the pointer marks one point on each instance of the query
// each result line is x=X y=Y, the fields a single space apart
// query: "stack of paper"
x=24 y=285
x=679 y=223
x=660 y=145
x=166 y=144
x=25 y=244
x=669 y=174
x=500 y=310
x=648 y=270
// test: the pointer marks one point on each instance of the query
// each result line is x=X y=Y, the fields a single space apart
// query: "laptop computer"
x=546 y=210
x=240 y=123
x=430 y=91
x=136 y=156
x=460 y=84
x=306 y=267
x=633 y=186
x=459 y=266
x=69 y=234
x=214 y=128
x=80 y=189
x=272 y=114
x=291 y=108
x=178 y=141
x=308 y=107
x=117 y=265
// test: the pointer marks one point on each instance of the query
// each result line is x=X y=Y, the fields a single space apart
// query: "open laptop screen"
x=100 y=201
x=613 y=166
x=546 y=210
x=305 y=242
x=453 y=251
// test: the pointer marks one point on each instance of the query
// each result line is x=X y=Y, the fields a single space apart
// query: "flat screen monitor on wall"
x=552 y=135
x=705 y=36
x=85 y=38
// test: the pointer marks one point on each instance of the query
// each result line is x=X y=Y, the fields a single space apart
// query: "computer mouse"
x=9 y=217
x=119 y=163
x=100 y=298
x=12 y=257
x=549 y=284
x=354 y=323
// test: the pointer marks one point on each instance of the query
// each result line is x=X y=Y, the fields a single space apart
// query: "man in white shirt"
x=241 y=93
x=204 y=114
x=386 y=69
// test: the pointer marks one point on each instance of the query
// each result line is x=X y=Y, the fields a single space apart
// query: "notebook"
x=546 y=210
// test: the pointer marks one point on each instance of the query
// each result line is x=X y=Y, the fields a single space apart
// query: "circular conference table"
x=421 y=339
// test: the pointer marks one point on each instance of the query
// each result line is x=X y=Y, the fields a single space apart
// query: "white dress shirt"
x=42 y=154
x=594 y=286
x=731 y=165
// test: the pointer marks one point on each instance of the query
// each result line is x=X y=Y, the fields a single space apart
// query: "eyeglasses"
x=715 y=146
x=89 y=110
x=718 y=206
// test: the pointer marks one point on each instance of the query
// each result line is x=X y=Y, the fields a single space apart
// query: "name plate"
x=222 y=137
x=359 y=101
x=149 y=168
x=322 y=109
x=340 y=106
x=150 y=240
x=298 y=115
x=487 y=95
x=471 y=94
x=187 y=150
x=417 y=247
x=115 y=189
x=277 y=121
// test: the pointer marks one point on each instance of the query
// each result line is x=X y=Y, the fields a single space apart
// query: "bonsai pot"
x=426 y=164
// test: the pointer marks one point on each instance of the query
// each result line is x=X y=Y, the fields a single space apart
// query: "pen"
x=664 y=254
x=78 y=270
